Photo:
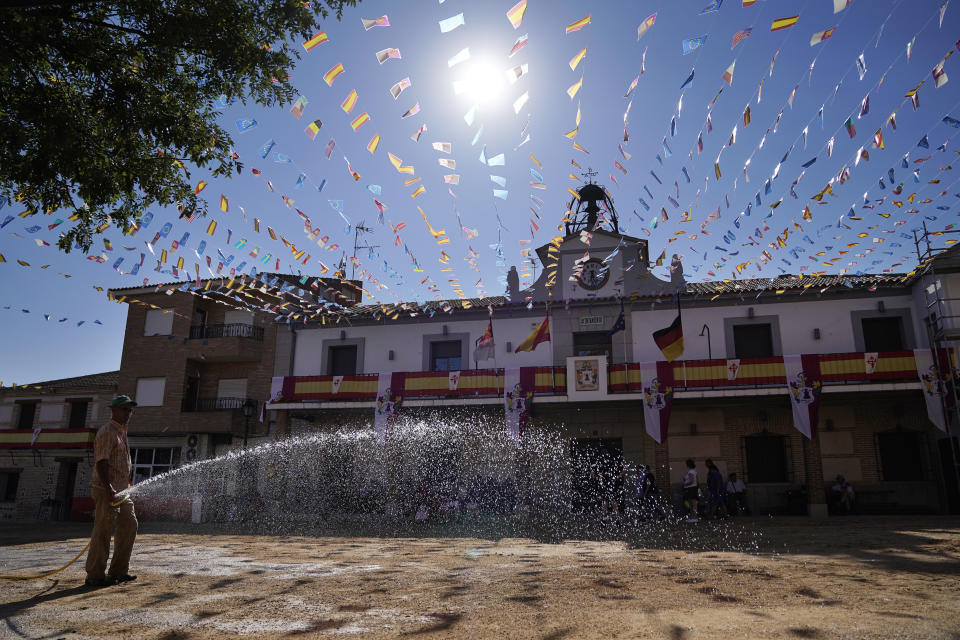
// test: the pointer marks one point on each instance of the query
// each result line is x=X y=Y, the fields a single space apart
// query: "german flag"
x=670 y=340
x=320 y=38
x=313 y=129
x=783 y=23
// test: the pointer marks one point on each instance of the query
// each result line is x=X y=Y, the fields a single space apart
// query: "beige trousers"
x=105 y=518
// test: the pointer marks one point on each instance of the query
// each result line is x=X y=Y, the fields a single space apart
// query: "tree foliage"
x=104 y=105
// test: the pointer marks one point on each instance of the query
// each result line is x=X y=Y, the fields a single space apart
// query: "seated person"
x=843 y=494
x=736 y=495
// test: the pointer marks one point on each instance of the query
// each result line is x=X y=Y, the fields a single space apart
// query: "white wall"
x=797 y=321
x=406 y=342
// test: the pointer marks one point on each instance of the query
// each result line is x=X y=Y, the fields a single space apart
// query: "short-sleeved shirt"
x=111 y=445
x=736 y=486
x=690 y=480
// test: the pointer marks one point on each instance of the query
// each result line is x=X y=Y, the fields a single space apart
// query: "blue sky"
x=36 y=348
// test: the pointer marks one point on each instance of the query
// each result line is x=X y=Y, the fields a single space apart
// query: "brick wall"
x=176 y=358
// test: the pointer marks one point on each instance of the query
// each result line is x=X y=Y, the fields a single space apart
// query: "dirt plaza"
x=855 y=577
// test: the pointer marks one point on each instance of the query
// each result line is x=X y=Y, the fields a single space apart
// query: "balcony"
x=194 y=405
x=207 y=331
x=226 y=343
x=837 y=370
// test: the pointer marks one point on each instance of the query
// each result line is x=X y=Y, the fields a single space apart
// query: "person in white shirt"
x=843 y=493
x=691 y=491
x=736 y=495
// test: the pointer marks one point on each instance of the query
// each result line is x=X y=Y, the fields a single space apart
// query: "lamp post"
x=247 y=409
x=709 y=347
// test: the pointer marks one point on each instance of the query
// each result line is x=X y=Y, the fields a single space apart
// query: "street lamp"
x=248 y=409
x=709 y=348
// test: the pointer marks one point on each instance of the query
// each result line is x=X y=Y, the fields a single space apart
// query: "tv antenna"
x=357 y=230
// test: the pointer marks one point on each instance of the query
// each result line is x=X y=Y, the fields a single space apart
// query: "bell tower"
x=592 y=210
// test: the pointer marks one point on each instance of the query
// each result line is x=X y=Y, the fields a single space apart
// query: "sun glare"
x=481 y=83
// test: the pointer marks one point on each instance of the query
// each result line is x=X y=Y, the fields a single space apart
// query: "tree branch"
x=118 y=27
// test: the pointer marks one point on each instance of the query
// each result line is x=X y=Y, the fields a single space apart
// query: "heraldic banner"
x=389 y=399
x=931 y=385
x=656 y=379
x=804 y=385
x=518 y=386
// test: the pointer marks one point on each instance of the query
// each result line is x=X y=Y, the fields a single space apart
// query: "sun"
x=481 y=83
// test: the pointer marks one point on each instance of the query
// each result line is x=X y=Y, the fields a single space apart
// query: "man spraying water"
x=111 y=477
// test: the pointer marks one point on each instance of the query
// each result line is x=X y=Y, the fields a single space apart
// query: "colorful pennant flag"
x=784 y=23
x=320 y=38
x=331 y=75
x=645 y=25
x=579 y=24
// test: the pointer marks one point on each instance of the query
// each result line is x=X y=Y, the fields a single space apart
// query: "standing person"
x=715 y=490
x=737 y=495
x=648 y=495
x=690 y=490
x=843 y=493
x=111 y=474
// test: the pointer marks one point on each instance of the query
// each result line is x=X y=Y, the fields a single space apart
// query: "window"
x=232 y=388
x=342 y=360
x=766 y=458
x=152 y=462
x=753 y=340
x=882 y=334
x=445 y=355
x=150 y=392
x=159 y=322
x=901 y=455
x=9 y=481
x=28 y=411
x=592 y=343
x=238 y=317
x=199 y=318
x=78 y=414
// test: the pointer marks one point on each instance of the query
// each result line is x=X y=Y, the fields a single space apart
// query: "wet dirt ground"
x=855 y=577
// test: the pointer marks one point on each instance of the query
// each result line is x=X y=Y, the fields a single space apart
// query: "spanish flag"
x=360 y=120
x=373 y=144
x=579 y=24
x=540 y=334
x=200 y=187
x=783 y=23
x=515 y=14
x=224 y=205
x=320 y=38
x=349 y=103
x=331 y=75
x=670 y=339
x=212 y=227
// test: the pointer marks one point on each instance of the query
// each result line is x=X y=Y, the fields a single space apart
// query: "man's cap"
x=122 y=400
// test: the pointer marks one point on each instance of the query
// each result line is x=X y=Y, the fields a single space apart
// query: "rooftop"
x=105 y=380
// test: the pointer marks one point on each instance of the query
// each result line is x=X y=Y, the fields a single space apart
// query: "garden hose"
x=75 y=558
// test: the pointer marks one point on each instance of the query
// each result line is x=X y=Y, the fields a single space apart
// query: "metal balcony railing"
x=191 y=405
x=853 y=368
x=204 y=331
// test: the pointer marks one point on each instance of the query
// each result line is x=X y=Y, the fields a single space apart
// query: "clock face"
x=594 y=275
